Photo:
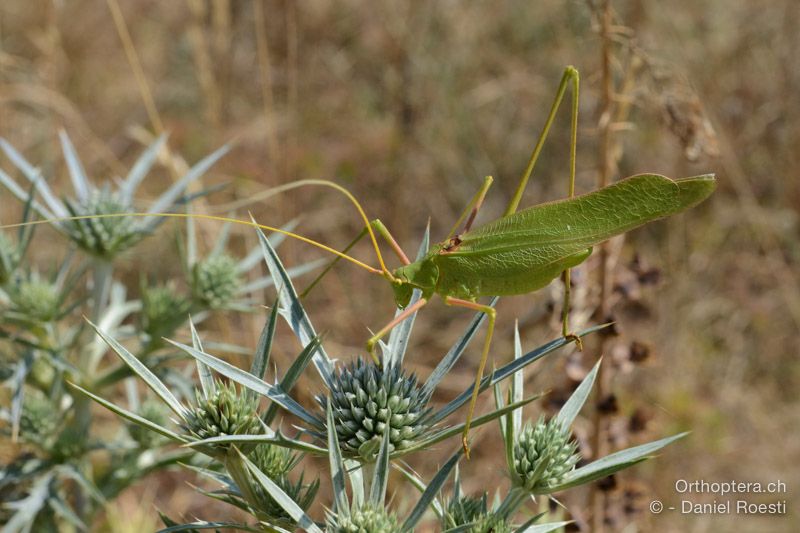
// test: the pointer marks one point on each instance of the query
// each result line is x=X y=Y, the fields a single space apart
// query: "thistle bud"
x=543 y=455
x=366 y=397
x=163 y=310
x=366 y=519
x=224 y=412
x=215 y=281
x=37 y=299
x=103 y=237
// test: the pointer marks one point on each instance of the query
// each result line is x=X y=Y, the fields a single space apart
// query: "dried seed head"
x=366 y=397
x=543 y=455
x=103 y=237
x=215 y=281
x=366 y=519
x=224 y=412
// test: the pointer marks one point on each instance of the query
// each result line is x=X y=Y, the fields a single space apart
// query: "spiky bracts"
x=544 y=454
x=215 y=281
x=276 y=463
x=103 y=237
x=365 y=519
x=36 y=299
x=473 y=512
x=365 y=397
x=163 y=310
x=226 y=411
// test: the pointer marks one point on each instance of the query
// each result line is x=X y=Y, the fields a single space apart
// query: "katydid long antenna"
x=382 y=271
x=323 y=183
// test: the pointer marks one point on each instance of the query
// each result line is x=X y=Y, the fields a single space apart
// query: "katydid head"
x=422 y=274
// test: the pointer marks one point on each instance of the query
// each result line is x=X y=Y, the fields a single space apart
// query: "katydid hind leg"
x=471 y=211
x=492 y=315
x=570 y=79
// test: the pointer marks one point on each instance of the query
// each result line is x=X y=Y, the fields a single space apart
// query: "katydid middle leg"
x=569 y=78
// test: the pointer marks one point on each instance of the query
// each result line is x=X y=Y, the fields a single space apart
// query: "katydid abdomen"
x=524 y=251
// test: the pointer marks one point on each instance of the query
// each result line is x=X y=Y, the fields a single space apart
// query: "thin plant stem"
x=598 y=500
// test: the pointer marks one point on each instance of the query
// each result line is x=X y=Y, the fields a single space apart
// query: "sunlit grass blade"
x=543 y=528
x=566 y=415
x=133 y=417
x=165 y=201
x=276 y=439
x=294 y=372
x=613 y=463
x=380 y=479
x=141 y=167
x=143 y=372
x=203 y=372
x=292 y=310
x=80 y=182
x=341 y=505
x=430 y=492
x=453 y=355
x=284 y=500
x=458 y=428
x=242 y=377
x=507 y=371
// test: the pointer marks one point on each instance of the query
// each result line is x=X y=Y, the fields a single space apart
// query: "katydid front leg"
x=407 y=312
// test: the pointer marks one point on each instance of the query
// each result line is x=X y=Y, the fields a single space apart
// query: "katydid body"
x=525 y=251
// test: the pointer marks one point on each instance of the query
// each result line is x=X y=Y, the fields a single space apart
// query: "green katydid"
x=525 y=250
x=517 y=254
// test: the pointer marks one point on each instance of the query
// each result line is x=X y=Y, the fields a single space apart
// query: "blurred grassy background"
x=410 y=104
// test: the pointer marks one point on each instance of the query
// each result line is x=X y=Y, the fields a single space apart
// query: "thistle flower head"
x=40 y=418
x=366 y=397
x=153 y=411
x=36 y=298
x=276 y=463
x=225 y=411
x=103 y=237
x=215 y=280
x=544 y=454
x=466 y=510
x=366 y=519
x=163 y=310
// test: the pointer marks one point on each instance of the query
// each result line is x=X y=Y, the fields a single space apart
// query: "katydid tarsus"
x=516 y=254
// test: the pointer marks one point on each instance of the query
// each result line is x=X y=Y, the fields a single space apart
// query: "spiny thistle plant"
x=52 y=480
x=103 y=238
x=373 y=418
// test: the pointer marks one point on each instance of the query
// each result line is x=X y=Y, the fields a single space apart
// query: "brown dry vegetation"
x=410 y=104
